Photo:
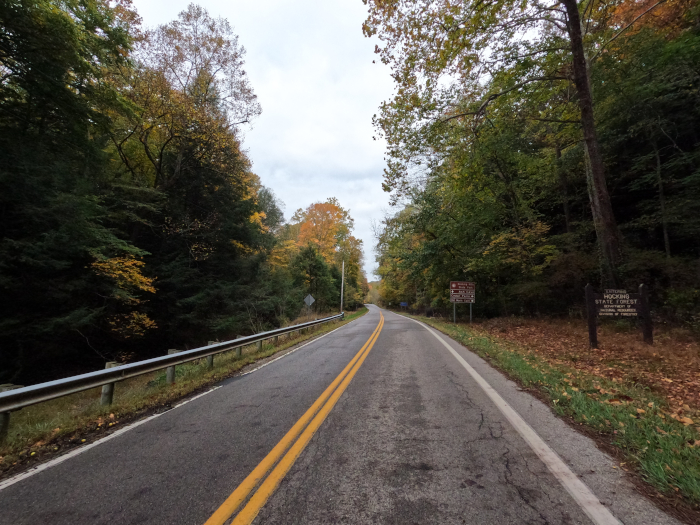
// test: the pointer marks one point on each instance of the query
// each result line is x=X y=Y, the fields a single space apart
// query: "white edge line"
x=585 y=498
x=65 y=457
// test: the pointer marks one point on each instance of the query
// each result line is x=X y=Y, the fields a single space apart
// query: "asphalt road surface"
x=410 y=436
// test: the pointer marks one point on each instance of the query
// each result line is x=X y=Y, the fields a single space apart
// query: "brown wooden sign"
x=617 y=303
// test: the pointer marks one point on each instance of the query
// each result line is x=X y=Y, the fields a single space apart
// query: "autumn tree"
x=504 y=196
x=324 y=224
x=132 y=221
x=452 y=60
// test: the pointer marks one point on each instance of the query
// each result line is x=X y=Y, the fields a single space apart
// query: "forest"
x=131 y=220
x=535 y=147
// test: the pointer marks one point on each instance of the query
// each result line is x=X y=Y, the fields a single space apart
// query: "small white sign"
x=309 y=300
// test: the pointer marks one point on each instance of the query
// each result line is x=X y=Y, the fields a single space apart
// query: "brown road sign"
x=462 y=286
x=462 y=292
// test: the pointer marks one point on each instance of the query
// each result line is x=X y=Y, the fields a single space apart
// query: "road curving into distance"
x=383 y=420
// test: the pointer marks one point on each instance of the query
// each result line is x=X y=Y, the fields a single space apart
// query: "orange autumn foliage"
x=668 y=16
x=324 y=224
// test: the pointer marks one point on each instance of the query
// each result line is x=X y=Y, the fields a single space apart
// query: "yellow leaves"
x=242 y=247
x=125 y=272
x=257 y=218
x=283 y=253
x=641 y=411
x=133 y=324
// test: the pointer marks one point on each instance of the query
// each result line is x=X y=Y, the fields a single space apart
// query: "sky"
x=313 y=72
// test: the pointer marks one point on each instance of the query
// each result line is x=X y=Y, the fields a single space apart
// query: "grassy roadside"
x=663 y=448
x=44 y=430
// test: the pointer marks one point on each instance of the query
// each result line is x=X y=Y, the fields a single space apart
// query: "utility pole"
x=342 y=287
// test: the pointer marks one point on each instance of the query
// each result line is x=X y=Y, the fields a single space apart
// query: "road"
x=410 y=435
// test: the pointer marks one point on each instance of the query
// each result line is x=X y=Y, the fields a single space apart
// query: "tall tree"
x=55 y=97
x=451 y=60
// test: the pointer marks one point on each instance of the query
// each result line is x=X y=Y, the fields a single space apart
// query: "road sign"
x=309 y=300
x=462 y=292
x=404 y=304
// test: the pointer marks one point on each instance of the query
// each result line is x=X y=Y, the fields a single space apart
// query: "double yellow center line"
x=289 y=448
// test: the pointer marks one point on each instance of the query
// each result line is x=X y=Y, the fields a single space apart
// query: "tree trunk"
x=601 y=207
x=564 y=191
x=662 y=203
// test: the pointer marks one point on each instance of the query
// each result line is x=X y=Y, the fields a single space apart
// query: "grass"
x=47 y=428
x=657 y=443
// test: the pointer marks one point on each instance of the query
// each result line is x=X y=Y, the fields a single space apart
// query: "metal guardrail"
x=31 y=395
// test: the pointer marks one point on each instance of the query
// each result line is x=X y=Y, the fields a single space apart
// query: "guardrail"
x=18 y=398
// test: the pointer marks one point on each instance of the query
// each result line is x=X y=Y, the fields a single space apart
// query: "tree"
x=324 y=224
x=312 y=273
x=55 y=96
x=451 y=61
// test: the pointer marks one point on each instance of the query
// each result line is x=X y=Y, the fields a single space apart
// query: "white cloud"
x=312 y=70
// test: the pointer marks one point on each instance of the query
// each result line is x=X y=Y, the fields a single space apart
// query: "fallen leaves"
x=671 y=368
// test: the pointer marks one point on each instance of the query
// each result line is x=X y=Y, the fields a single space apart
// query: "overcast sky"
x=312 y=70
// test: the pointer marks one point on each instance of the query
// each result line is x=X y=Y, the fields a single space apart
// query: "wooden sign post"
x=591 y=316
x=618 y=304
x=647 y=327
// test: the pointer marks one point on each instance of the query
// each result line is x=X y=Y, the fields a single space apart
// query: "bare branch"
x=494 y=96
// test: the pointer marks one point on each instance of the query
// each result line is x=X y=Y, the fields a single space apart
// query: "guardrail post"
x=5 y=416
x=276 y=340
x=210 y=358
x=258 y=346
x=108 y=389
x=4 y=426
x=170 y=371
